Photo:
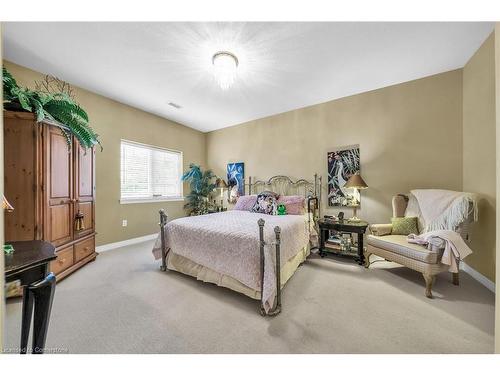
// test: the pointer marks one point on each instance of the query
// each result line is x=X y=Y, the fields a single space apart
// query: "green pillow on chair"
x=404 y=225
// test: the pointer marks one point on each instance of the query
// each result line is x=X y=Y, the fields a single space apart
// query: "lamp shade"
x=356 y=181
x=221 y=184
x=6 y=205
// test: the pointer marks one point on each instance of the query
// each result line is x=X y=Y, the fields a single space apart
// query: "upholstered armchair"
x=395 y=248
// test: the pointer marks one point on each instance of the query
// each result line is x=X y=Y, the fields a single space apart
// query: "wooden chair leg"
x=367 y=259
x=429 y=280
x=455 y=278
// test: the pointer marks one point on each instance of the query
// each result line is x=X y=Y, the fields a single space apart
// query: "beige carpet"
x=122 y=303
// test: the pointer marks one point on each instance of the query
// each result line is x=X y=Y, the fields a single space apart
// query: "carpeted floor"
x=122 y=303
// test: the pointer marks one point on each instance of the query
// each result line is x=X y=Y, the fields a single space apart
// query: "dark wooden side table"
x=29 y=263
x=325 y=225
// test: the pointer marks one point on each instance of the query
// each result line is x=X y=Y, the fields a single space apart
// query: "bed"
x=251 y=253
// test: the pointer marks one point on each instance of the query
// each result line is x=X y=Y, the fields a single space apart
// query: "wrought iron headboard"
x=284 y=185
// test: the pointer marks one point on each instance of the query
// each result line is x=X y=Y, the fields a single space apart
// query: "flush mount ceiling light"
x=225 y=65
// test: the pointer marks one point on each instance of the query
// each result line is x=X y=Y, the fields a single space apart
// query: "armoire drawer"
x=64 y=260
x=84 y=249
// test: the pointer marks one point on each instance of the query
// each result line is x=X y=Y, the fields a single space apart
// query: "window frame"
x=153 y=199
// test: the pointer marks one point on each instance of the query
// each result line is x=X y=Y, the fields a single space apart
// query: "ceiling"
x=282 y=66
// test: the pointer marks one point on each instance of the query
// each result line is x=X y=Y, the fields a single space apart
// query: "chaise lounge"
x=395 y=248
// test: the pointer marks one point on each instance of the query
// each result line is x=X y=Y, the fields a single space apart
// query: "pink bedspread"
x=228 y=242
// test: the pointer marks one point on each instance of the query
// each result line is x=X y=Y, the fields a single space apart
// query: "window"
x=149 y=173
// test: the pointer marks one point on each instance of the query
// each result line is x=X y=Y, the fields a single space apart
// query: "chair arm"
x=381 y=229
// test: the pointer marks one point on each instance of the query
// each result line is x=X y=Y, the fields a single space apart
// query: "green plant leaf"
x=24 y=101
x=40 y=113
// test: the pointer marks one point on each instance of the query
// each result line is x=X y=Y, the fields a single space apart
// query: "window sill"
x=151 y=200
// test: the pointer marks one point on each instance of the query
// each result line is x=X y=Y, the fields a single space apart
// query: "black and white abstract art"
x=342 y=164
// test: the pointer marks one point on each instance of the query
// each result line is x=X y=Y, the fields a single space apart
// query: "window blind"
x=149 y=172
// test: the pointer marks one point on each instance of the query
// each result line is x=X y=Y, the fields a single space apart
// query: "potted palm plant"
x=201 y=185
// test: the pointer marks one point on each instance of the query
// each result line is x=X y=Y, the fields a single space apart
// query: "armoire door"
x=22 y=177
x=58 y=177
x=84 y=188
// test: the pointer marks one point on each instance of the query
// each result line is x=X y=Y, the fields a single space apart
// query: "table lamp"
x=221 y=184
x=356 y=182
x=6 y=205
x=7 y=248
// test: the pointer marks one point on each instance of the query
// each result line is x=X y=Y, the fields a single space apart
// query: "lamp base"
x=354 y=218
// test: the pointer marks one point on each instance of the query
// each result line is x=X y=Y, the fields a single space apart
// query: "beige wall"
x=114 y=121
x=410 y=136
x=479 y=175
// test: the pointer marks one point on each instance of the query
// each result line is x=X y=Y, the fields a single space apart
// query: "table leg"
x=322 y=234
x=361 y=255
x=43 y=295
x=26 y=318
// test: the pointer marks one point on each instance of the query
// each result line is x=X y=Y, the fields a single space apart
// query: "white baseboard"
x=132 y=241
x=478 y=276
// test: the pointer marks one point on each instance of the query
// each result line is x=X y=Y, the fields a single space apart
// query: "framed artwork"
x=342 y=164
x=235 y=181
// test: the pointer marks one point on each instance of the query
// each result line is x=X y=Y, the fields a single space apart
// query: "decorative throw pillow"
x=294 y=204
x=404 y=225
x=266 y=203
x=245 y=202
x=268 y=192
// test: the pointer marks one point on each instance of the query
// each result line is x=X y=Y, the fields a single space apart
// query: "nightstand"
x=326 y=247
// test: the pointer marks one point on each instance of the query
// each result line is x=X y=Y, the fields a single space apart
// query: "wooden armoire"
x=48 y=184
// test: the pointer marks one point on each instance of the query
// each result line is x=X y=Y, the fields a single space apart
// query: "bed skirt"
x=183 y=265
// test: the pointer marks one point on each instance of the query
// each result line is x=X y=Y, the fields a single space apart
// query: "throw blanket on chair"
x=445 y=209
x=455 y=248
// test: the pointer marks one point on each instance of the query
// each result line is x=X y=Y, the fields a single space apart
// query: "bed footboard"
x=277 y=305
x=163 y=224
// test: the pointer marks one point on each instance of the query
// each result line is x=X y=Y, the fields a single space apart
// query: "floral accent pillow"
x=245 y=203
x=266 y=203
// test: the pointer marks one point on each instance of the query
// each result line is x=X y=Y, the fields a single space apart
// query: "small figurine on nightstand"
x=8 y=249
